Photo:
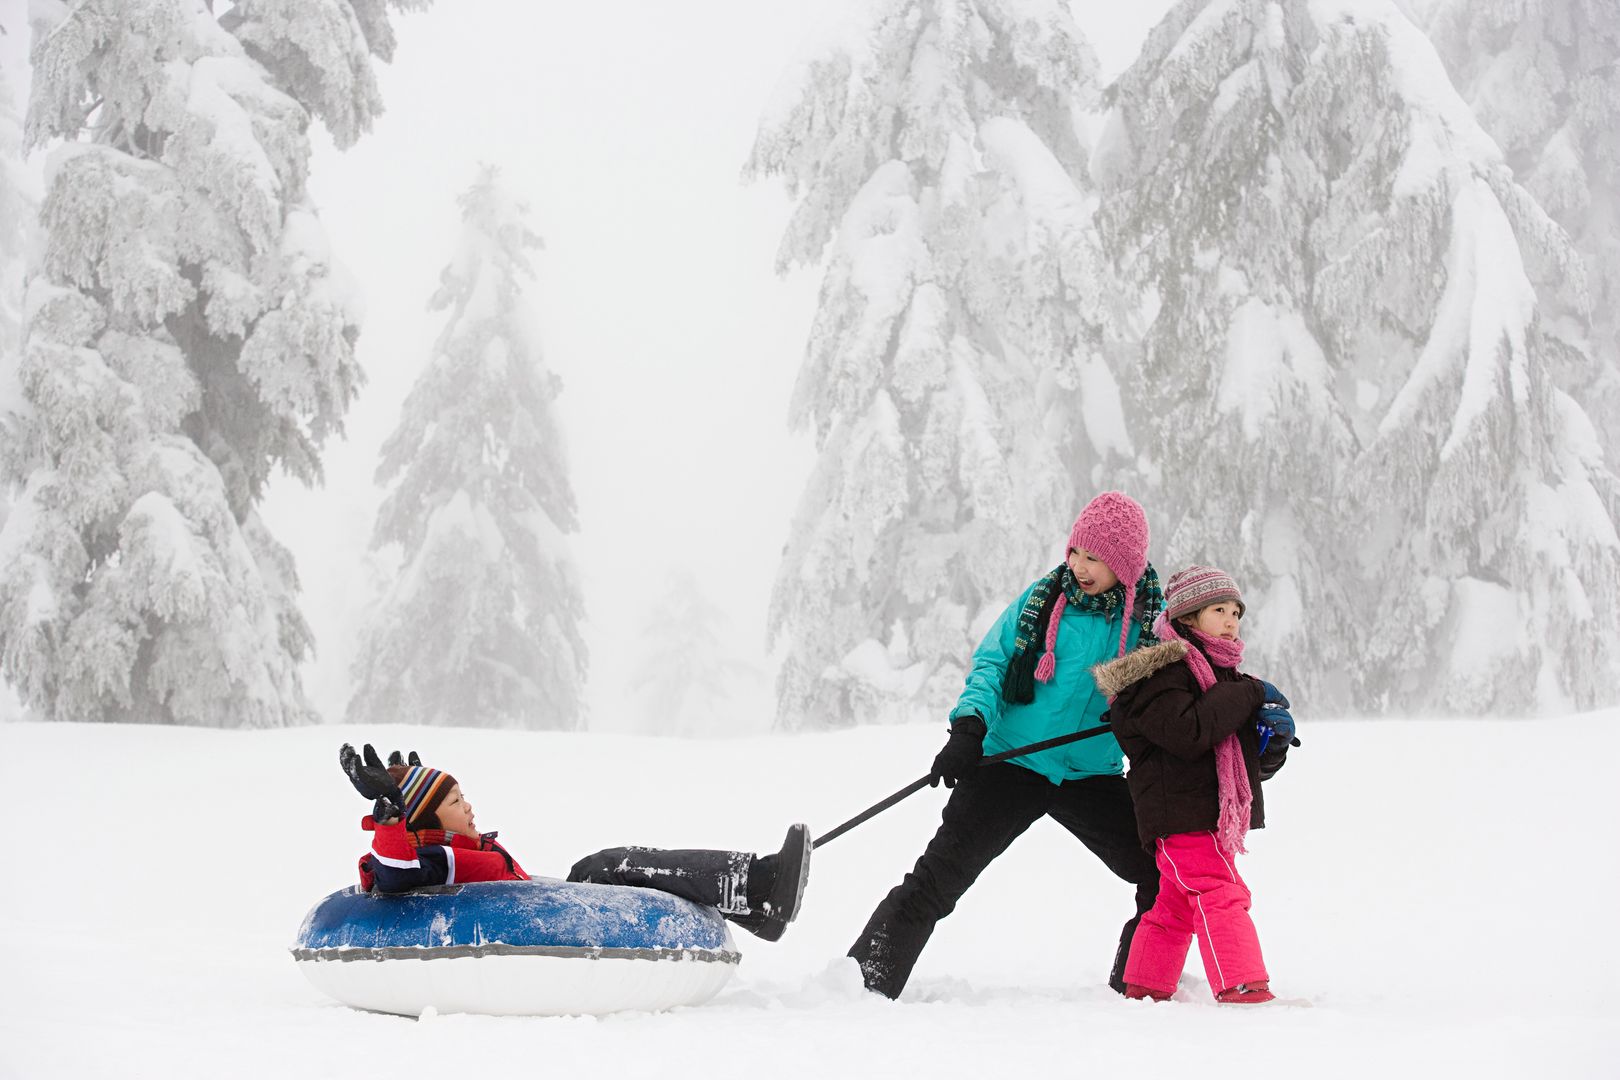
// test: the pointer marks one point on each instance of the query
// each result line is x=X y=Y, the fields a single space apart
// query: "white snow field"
x=1440 y=893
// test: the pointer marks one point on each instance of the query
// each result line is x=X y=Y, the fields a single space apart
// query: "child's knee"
x=597 y=867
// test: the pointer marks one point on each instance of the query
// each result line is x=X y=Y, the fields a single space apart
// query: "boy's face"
x=456 y=814
x=1219 y=620
x=1090 y=574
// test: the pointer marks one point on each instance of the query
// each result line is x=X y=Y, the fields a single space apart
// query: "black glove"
x=962 y=751
x=1275 y=757
x=371 y=779
x=395 y=759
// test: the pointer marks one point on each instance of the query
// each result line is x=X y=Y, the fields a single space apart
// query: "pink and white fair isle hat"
x=1197 y=587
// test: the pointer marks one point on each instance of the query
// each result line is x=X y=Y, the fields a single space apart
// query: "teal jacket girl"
x=1088 y=634
x=1031 y=681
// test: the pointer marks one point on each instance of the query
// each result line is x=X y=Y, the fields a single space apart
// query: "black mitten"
x=961 y=753
x=1275 y=757
x=396 y=759
x=371 y=779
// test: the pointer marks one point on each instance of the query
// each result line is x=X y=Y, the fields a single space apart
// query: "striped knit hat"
x=424 y=789
x=1197 y=587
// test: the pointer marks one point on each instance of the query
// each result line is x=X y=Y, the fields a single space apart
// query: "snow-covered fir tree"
x=16 y=212
x=933 y=164
x=16 y=209
x=481 y=627
x=1543 y=79
x=320 y=52
x=188 y=333
x=1347 y=378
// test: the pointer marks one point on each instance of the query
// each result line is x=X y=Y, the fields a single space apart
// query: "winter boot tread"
x=787 y=891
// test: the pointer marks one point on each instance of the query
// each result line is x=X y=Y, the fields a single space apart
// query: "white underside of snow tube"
x=521 y=983
x=536 y=947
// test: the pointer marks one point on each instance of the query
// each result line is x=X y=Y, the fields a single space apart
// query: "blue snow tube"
x=540 y=947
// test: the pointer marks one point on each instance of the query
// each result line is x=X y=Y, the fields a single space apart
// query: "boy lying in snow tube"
x=433 y=888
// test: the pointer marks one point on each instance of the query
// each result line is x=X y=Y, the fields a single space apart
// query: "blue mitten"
x=1274 y=720
x=1274 y=696
x=1273 y=717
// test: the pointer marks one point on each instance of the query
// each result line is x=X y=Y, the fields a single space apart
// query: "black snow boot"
x=776 y=886
x=1116 y=975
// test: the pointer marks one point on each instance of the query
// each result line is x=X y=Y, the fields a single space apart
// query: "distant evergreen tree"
x=1346 y=390
x=938 y=162
x=481 y=628
x=188 y=334
x=687 y=679
x=1543 y=78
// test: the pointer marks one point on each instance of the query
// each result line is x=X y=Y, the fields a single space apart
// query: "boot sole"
x=785 y=899
x=805 y=847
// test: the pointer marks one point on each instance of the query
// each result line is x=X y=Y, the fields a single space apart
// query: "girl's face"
x=1090 y=574
x=1218 y=620
x=456 y=814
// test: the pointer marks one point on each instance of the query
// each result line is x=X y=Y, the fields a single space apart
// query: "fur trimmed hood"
x=1133 y=667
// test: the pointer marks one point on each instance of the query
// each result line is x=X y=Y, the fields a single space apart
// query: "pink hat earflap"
x=1048 y=665
x=1125 y=621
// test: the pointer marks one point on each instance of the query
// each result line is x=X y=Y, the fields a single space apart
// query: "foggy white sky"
x=625 y=126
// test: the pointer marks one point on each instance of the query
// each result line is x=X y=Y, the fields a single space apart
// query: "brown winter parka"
x=1169 y=729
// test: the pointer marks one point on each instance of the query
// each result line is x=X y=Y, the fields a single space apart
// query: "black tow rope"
x=917 y=785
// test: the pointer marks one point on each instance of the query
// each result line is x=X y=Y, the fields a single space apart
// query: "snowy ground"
x=1422 y=887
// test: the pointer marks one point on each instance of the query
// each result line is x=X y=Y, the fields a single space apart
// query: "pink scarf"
x=1230 y=771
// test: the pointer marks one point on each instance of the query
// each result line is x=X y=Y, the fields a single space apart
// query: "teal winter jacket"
x=1070 y=702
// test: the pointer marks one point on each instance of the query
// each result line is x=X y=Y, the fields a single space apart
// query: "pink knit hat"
x=1197 y=587
x=1114 y=528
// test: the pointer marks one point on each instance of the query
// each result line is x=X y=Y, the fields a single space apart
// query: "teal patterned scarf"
x=1034 y=622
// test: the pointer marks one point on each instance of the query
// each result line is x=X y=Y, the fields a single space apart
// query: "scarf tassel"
x=1237 y=799
x=1046 y=668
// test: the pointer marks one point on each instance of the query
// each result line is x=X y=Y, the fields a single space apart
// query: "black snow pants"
x=987 y=811
x=717 y=879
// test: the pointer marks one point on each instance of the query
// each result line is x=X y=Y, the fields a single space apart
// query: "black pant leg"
x=1099 y=811
x=986 y=812
x=717 y=879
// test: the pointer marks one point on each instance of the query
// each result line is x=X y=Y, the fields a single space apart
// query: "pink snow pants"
x=1200 y=894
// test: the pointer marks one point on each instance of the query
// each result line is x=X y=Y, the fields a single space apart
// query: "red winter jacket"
x=400 y=860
